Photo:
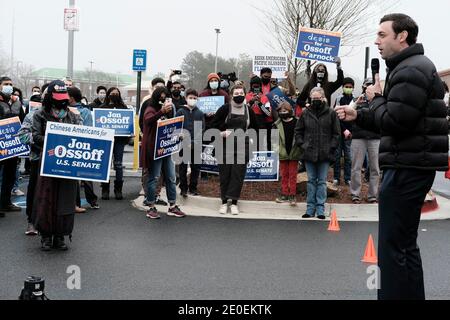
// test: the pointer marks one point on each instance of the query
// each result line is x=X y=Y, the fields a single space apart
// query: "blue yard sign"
x=168 y=140
x=209 y=162
x=139 y=60
x=10 y=144
x=210 y=104
x=77 y=152
x=264 y=166
x=318 y=45
x=121 y=121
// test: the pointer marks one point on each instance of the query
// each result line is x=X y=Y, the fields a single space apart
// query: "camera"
x=178 y=72
x=229 y=77
x=33 y=289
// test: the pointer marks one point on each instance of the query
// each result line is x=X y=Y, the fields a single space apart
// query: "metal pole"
x=138 y=92
x=90 y=81
x=12 y=41
x=71 y=47
x=217 y=49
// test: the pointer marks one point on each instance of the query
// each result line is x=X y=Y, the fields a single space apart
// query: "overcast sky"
x=110 y=29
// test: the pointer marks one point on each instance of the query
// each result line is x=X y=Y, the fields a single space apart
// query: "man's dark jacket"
x=410 y=115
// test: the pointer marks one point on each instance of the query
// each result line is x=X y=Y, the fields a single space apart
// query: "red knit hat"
x=212 y=76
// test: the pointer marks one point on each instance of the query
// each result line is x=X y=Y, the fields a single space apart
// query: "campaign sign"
x=10 y=145
x=210 y=104
x=119 y=120
x=277 y=63
x=277 y=96
x=209 y=162
x=318 y=45
x=77 y=152
x=168 y=140
x=264 y=166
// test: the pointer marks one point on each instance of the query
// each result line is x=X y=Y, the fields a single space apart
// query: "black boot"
x=118 y=185
x=59 y=244
x=105 y=191
x=46 y=243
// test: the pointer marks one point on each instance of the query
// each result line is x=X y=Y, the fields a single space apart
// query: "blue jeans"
x=346 y=147
x=154 y=173
x=119 y=148
x=317 y=187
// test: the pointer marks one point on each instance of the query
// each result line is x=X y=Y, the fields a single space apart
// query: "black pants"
x=232 y=178
x=91 y=197
x=402 y=196
x=34 y=175
x=9 y=177
x=195 y=173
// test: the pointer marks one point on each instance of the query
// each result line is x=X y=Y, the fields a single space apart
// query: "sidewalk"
x=268 y=210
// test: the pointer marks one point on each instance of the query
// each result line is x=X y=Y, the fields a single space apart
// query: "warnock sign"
x=318 y=45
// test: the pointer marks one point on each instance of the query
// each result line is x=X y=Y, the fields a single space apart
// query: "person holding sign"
x=114 y=101
x=320 y=78
x=233 y=163
x=159 y=108
x=55 y=199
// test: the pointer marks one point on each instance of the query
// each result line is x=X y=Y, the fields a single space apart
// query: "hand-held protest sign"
x=77 y=153
x=277 y=63
x=210 y=104
x=277 y=96
x=119 y=120
x=318 y=45
x=168 y=140
x=10 y=144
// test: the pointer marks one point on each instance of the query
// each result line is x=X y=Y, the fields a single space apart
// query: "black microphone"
x=375 y=66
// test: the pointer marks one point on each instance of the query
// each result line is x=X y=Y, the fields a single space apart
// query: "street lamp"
x=217 y=49
x=90 y=81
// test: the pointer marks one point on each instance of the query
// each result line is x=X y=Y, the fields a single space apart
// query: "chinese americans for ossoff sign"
x=10 y=144
x=318 y=45
x=77 y=152
x=121 y=121
x=277 y=63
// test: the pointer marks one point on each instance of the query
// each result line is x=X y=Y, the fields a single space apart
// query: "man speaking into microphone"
x=410 y=116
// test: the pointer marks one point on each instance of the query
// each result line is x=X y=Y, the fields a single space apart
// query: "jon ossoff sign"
x=121 y=121
x=10 y=145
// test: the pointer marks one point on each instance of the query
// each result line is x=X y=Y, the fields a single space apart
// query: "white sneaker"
x=223 y=209
x=17 y=193
x=234 y=210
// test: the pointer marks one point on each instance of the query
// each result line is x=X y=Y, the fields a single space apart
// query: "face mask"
x=265 y=81
x=176 y=93
x=36 y=94
x=285 y=115
x=239 y=100
x=321 y=75
x=316 y=104
x=192 y=103
x=183 y=94
x=7 y=90
x=348 y=91
x=102 y=96
x=60 y=104
x=114 y=98
x=214 y=85
x=224 y=84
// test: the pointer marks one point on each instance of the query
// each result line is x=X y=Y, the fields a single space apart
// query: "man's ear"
x=403 y=36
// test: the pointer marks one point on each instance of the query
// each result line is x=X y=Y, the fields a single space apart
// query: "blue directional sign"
x=139 y=60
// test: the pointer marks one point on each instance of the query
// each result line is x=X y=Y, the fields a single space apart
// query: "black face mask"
x=114 y=98
x=60 y=104
x=265 y=81
x=239 y=99
x=285 y=115
x=316 y=104
x=176 y=93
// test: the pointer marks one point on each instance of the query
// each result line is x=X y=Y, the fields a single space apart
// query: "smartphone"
x=169 y=100
x=178 y=72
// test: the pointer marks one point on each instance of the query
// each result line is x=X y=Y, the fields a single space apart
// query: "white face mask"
x=8 y=90
x=102 y=96
x=214 y=85
x=192 y=102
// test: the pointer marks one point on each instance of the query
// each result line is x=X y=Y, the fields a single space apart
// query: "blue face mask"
x=7 y=90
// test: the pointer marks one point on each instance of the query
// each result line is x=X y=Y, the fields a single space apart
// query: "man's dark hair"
x=176 y=82
x=3 y=79
x=266 y=70
x=348 y=81
x=191 y=92
x=100 y=88
x=401 y=22
x=158 y=80
x=75 y=93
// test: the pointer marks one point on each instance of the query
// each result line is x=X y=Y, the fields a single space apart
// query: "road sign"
x=71 y=19
x=139 y=60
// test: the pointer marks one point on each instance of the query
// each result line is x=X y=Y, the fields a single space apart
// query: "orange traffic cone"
x=370 y=256
x=334 y=223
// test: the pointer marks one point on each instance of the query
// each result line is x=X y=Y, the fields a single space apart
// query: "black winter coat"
x=411 y=114
x=317 y=134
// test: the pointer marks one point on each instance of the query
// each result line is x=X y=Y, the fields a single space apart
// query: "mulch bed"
x=269 y=191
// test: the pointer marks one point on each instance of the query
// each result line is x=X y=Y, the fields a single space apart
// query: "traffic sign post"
x=139 y=65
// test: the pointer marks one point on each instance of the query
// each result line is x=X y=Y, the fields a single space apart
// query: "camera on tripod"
x=33 y=289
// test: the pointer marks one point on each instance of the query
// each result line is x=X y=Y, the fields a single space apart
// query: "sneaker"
x=307 y=216
x=153 y=213
x=234 y=210
x=356 y=200
x=321 y=217
x=184 y=194
x=194 y=193
x=95 y=206
x=347 y=183
x=145 y=203
x=176 y=212
x=372 y=200
x=293 y=201
x=282 y=199
x=142 y=193
x=161 y=202
x=59 y=244
x=46 y=243
x=17 y=193
x=31 y=231
x=223 y=209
